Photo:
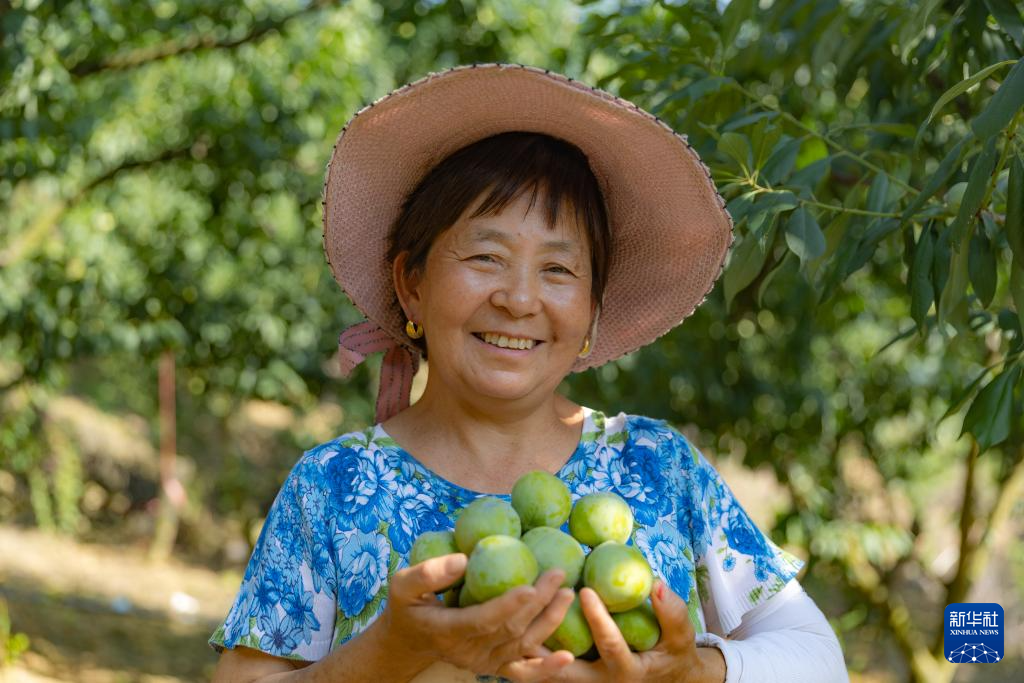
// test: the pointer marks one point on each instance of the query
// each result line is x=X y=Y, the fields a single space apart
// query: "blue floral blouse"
x=347 y=515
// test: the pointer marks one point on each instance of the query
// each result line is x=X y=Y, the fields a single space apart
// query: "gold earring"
x=413 y=330
x=586 y=348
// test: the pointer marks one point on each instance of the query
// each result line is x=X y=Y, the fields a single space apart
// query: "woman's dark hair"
x=507 y=164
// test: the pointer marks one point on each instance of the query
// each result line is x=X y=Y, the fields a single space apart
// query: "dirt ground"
x=100 y=614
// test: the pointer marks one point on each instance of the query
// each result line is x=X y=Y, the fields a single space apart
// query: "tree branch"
x=172 y=48
x=957 y=587
x=924 y=667
x=821 y=136
x=974 y=552
x=48 y=217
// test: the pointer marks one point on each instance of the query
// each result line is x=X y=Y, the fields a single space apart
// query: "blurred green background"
x=855 y=374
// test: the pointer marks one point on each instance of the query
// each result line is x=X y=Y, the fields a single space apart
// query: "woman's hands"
x=502 y=636
x=674 y=658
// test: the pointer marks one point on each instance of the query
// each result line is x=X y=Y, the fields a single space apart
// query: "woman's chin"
x=507 y=389
x=506 y=392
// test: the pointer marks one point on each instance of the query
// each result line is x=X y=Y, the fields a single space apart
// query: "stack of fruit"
x=511 y=545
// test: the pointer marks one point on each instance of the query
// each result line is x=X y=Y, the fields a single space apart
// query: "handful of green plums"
x=511 y=545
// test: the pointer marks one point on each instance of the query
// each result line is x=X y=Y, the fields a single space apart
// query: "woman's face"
x=507 y=274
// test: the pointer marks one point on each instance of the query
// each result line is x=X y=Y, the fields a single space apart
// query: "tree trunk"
x=172 y=494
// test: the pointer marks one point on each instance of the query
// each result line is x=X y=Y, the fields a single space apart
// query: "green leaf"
x=737 y=147
x=735 y=14
x=952 y=307
x=749 y=119
x=1008 y=322
x=835 y=233
x=811 y=175
x=879 y=229
x=942 y=174
x=988 y=418
x=1008 y=17
x=1014 y=225
x=780 y=164
x=965 y=394
x=940 y=263
x=1003 y=105
x=957 y=90
x=774 y=202
x=804 y=235
x=981 y=265
x=909 y=245
x=878 y=197
x=922 y=292
x=747 y=261
x=763 y=287
x=1017 y=287
x=691 y=92
x=901 y=130
x=912 y=29
x=740 y=207
x=835 y=272
x=762 y=142
x=981 y=171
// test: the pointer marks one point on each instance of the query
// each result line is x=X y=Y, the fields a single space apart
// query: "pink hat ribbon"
x=396 y=371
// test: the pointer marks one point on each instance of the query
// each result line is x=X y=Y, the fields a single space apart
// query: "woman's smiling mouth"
x=505 y=343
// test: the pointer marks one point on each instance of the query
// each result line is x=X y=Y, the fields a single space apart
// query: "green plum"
x=466 y=598
x=485 y=516
x=541 y=499
x=600 y=517
x=555 y=549
x=639 y=627
x=431 y=544
x=498 y=564
x=619 y=574
x=573 y=634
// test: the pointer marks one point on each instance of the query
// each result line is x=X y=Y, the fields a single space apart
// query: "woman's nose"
x=519 y=292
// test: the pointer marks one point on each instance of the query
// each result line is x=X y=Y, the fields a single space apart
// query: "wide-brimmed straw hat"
x=669 y=227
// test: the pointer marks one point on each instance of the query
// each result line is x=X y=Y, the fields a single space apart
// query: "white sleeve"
x=786 y=639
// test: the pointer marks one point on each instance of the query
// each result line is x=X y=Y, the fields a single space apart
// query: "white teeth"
x=506 y=343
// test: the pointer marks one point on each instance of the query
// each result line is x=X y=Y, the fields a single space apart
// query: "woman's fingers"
x=547 y=587
x=512 y=613
x=410 y=584
x=673 y=617
x=545 y=624
x=543 y=668
x=609 y=641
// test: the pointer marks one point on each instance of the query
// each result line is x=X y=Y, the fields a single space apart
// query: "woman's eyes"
x=492 y=258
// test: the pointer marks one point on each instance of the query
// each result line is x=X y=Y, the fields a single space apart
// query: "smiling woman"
x=519 y=226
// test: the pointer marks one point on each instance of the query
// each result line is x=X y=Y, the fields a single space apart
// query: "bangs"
x=539 y=164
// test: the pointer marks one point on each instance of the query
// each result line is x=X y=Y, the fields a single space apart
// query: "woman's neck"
x=489 y=446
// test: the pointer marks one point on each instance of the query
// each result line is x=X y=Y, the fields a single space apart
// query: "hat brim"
x=670 y=230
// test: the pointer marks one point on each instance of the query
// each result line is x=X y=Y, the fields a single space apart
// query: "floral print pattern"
x=348 y=513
